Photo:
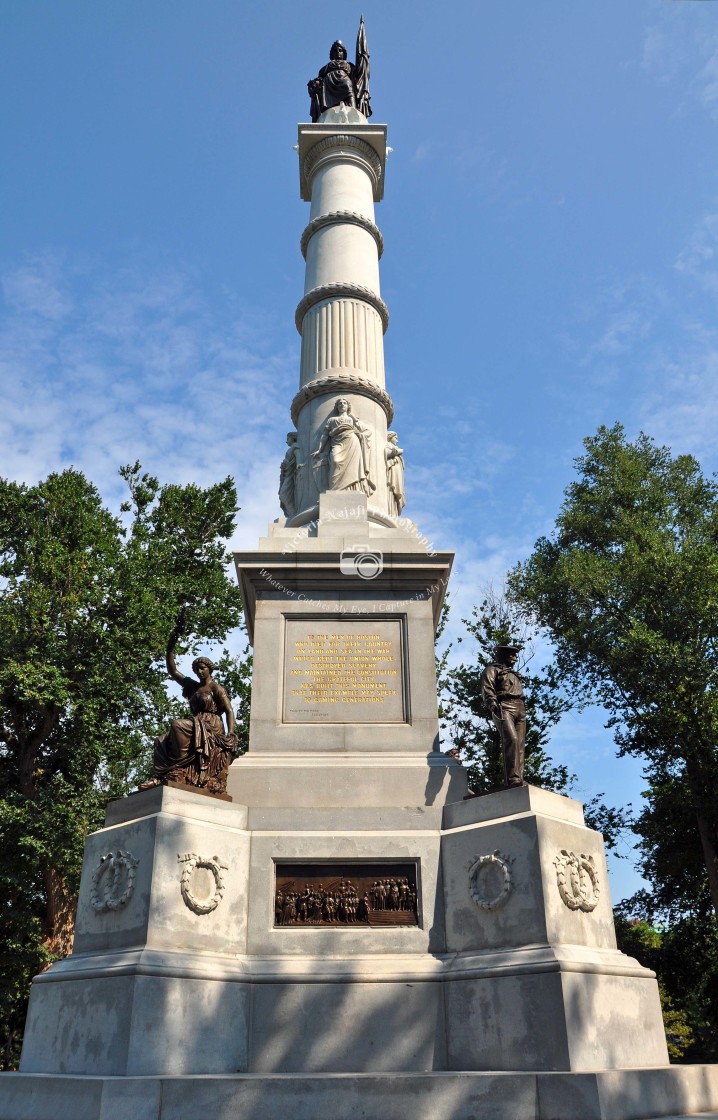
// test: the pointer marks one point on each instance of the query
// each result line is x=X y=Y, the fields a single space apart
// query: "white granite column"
x=342 y=317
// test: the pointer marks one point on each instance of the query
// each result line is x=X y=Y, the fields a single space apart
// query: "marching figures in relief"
x=196 y=751
x=394 y=475
x=340 y=82
x=342 y=460
x=503 y=695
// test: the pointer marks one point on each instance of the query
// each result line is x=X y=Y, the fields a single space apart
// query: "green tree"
x=627 y=588
x=684 y=956
x=88 y=601
x=670 y=852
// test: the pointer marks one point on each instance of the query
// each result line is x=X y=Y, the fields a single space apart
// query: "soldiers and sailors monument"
x=330 y=927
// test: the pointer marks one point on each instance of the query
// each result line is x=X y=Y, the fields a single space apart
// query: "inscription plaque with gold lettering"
x=344 y=671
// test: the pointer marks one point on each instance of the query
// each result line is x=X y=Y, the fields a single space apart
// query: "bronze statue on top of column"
x=341 y=82
x=503 y=695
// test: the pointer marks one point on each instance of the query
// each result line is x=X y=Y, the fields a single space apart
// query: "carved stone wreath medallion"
x=113 y=881
x=193 y=863
x=577 y=881
x=490 y=880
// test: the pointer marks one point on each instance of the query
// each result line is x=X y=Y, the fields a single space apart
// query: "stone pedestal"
x=348 y=936
x=507 y=998
x=541 y=983
x=342 y=615
x=155 y=983
x=181 y=967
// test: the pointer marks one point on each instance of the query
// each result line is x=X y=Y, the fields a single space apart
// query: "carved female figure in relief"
x=394 y=475
x=289 y=477
x=342 y=459
x=197 y=750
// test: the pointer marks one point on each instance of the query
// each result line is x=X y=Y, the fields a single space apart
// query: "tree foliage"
x=627 y=588
x=88 y=601
x=684 y=956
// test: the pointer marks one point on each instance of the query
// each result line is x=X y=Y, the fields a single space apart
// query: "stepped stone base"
x=638 y=1094
x=506 y=1000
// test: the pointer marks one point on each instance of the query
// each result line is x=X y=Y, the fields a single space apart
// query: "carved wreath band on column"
x=342 y=383
x=341 y=291
x=349 y=147
x=107 y=894
x=216 y=867
x=342 y=217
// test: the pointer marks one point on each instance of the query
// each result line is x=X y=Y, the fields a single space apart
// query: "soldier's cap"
x=508 y=649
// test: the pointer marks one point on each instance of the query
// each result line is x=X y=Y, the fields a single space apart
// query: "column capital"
x=364 y=144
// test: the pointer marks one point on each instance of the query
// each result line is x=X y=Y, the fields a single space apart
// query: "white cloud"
x=707 y=79
x=101 y=369
x=623 y=330
x=679 y=405
x=682 y=408
x=681 y=49
x=657 y=342
x=38 y=287
x=664 y=50
x=699 y=259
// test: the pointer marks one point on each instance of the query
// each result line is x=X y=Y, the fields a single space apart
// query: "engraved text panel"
x=343 y=671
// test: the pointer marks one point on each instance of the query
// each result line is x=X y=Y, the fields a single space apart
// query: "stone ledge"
x=646 y=1094
x=314 y=967
x=348 y=819
x=180 y=801
x=503 y=804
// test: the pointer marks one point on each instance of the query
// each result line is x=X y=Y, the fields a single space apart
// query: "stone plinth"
x=502 y=998
x=342 y=626
x=190 y=960
x=198 y=968
x=540 y=984
x=674 y=1093
x=154 y=984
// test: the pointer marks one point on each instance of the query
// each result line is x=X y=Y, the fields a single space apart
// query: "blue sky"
x=551 y=226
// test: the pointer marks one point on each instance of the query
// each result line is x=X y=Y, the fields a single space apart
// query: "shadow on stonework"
x=435 y=782
x=345 y=1027
x=189 y=1026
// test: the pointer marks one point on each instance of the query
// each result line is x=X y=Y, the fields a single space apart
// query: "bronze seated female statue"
x=197 y=750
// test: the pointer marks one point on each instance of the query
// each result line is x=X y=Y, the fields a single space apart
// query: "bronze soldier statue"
x=342 y=82
x=503 y=695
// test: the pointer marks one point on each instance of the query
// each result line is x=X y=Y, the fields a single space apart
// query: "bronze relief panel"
x=345 y=894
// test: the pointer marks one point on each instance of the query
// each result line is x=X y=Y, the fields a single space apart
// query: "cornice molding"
x=345 y=145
